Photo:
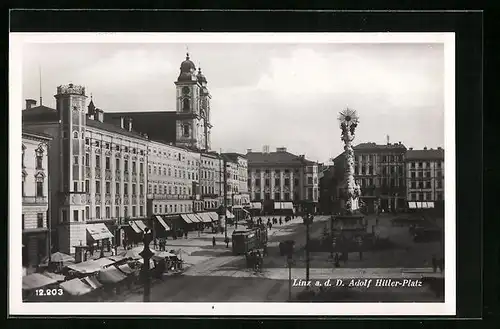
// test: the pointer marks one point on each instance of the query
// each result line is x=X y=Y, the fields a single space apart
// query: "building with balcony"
x=173 y=182
x=282 y=178
x=425 y=176
x=98 y=177
x=380 y=172
x=35 y=193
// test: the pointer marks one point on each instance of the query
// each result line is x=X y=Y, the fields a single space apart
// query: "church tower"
x=71 y=108
x=192 y=106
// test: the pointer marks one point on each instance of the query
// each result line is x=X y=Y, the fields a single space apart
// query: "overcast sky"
x=263 y=94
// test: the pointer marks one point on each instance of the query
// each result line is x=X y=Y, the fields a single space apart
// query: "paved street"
x=214 y=274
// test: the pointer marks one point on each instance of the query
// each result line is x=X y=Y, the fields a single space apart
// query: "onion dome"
x=187 y=69
x=201 y=78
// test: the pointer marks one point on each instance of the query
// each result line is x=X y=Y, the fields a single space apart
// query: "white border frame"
x=17 y=307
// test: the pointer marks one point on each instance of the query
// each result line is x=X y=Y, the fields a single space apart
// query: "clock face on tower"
x=185 y=90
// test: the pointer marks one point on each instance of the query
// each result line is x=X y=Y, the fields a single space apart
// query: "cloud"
x=265 y=94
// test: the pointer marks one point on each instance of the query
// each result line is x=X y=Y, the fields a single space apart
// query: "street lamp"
x=146 y=254
x=307 y=221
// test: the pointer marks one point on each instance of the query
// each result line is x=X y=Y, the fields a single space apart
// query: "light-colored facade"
x=210 y=181
x=237 y=180
x=173 y=179
x=282 y=176
x=425 y=174
x=35 y=193
x=98 y=174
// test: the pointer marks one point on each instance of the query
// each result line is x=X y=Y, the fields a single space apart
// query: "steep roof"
x=47 y=114
x=276 y=158
x=40 y=114
x=429 y=154
x=113 y=129
x=158 y=125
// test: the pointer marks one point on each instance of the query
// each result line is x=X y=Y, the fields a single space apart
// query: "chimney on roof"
x=399 y=143
x=249 y=150
x=440 y=148
x=411 y=148
x=146 y=136
x=302 y=156
x=122 y=122
x=30 y=103
x=425 y=148
x=265 y=149
x=281 y=149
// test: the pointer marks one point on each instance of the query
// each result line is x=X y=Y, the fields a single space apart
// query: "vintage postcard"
x=232 y=174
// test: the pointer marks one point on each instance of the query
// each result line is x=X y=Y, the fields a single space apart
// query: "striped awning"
x=141 y=224
x=194 y=218
x=134 y=226
x=214 y=216
x=229 y=214
x=186 y=219
x=205 y=217
x=163 y=223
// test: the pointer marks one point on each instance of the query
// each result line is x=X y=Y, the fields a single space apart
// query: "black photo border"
x=468 y=28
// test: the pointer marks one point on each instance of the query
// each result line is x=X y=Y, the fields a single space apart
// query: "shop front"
x=99 y=237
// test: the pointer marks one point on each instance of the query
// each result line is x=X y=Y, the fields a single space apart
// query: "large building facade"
x=425 y=175
x=173 y=179
x=99 y=172
x=35 y=193
x=380 y=172
x=281 y=176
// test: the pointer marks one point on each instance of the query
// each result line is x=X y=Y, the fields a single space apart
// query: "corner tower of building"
x=71 y=109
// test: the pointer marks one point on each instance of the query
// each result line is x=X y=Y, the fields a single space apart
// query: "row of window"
x=165 y=209
x=164 y=189
x=384 y=158
x=428 y=184
x=117 y=190
x=415 y=165
x=108 y=163
x=277 y=196
x=427 y=174
x=108 y=146
x=178 y=173
x=39 y=220
x=311 y=195
x=38 y=162
x=105 y=215
x=425 y=196
x=277 y=181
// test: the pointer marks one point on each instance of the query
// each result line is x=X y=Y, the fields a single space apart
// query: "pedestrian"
x=154 y=243
x=185 y=234
x=213 y=241
x=337 y=260
x=281 y=221
x=226 y=240
x=265 y=250
x=434 y=263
